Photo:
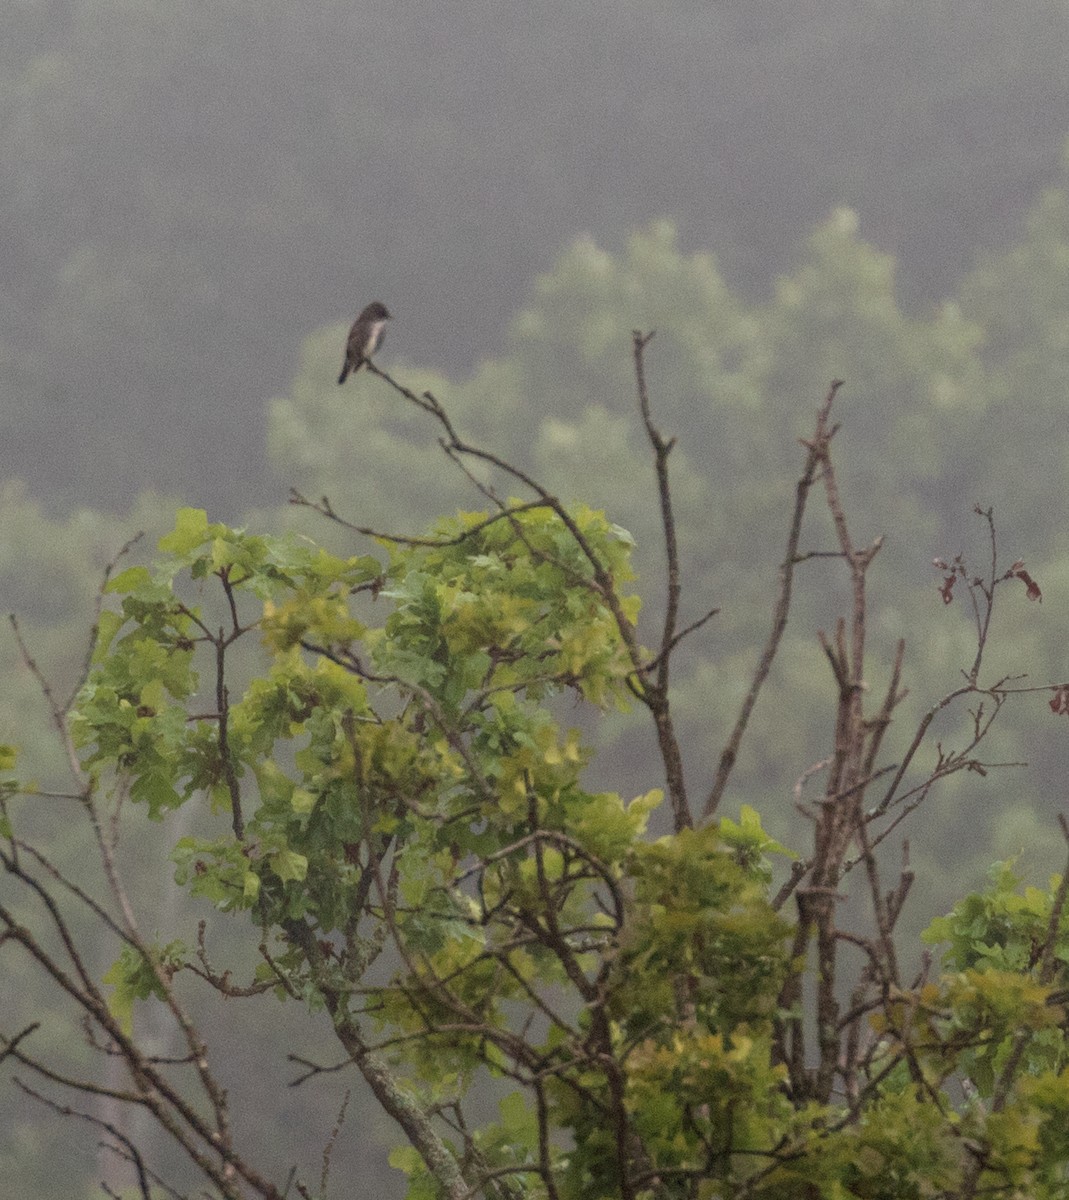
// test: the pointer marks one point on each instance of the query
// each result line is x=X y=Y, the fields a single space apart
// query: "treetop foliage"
x=397 y=816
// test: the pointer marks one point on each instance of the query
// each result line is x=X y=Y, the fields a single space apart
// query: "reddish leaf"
x=1030 y=584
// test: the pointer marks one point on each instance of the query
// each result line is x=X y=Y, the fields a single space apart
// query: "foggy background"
x=188 y=190
x=197 y=198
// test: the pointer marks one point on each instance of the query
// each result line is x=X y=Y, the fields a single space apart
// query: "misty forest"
x=615 y=743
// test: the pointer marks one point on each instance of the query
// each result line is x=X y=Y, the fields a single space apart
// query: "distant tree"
x=404 y=839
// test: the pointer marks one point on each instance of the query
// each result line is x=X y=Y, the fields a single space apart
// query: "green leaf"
x=133 y=977
x=288 y=865
x=303 y=801
x=130 y=580
x=190 y=532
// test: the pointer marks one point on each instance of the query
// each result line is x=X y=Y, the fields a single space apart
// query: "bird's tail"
x=344 y=372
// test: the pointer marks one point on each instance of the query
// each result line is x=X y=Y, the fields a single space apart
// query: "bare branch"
x=816 y=452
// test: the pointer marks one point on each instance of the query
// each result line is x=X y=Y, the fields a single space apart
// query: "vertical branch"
x=222 y=701
x=839 y=821
x=984 y=619
x=840 y=814
x=661 y=450
x=817 y=448
x=655 y=692
x=545 y=1156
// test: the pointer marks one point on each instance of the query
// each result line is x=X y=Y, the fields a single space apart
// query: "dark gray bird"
x=365 y=337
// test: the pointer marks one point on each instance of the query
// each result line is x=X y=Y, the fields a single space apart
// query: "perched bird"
x=365 y=337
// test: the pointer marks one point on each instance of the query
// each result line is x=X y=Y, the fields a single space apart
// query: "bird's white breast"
x=374 y=336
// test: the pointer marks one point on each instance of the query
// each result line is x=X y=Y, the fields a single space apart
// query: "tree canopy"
x=545 y=996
